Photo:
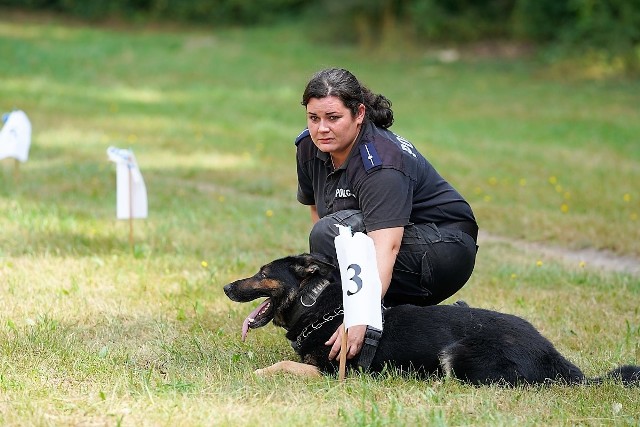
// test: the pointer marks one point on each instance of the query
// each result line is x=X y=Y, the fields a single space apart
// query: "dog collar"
x=306 y=300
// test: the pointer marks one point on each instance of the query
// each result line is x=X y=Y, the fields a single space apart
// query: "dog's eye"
x=263 y=275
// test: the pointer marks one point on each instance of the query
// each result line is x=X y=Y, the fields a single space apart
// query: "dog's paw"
x=261 y=372
x=289 y=367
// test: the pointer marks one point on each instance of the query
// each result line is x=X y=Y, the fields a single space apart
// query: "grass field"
x=95 y=333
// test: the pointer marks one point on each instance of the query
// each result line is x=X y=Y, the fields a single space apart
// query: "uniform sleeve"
x=386 y=197
x=305 y=183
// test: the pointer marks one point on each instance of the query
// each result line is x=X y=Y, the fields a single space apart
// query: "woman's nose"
x=323 y=126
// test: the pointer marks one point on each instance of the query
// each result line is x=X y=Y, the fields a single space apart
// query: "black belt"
x=467 y=227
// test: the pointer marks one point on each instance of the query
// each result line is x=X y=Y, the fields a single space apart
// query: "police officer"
x=353 y=171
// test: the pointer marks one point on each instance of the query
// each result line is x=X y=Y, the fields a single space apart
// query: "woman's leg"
x=433 y=264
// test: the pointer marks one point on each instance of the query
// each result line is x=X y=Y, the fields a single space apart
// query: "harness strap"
x=369 y=348
x=370 y=345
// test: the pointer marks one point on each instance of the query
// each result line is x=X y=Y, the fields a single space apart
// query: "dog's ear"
x=308 y=264
x=325 y=261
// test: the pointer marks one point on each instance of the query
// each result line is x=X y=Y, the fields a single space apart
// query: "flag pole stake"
x=343 y=354
x=130 y=209
x=16 y=170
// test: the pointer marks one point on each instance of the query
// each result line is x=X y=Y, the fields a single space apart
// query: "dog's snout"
x=236 y=291
x=228 y=290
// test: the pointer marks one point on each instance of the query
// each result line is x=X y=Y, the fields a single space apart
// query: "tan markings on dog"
x=289 y=367
x=446 y=363
x=280 y=319
x=270 y=284
x=260 y=284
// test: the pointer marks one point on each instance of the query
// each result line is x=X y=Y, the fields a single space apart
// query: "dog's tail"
x=628 y=375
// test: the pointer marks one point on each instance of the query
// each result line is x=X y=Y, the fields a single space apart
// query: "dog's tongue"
x=251 y=318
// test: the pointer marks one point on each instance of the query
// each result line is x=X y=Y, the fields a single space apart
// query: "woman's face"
x=333 y=127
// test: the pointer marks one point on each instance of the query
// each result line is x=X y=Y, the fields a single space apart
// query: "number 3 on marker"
x=355 y=279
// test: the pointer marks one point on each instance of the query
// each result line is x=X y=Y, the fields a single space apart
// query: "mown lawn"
x=94 y=332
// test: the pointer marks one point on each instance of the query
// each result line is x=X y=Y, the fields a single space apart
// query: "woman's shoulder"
x=305 y=147
x=305 y=134
x=380 y=147
x=392 y=141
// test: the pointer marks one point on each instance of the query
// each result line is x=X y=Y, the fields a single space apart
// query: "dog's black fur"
x=472 y=344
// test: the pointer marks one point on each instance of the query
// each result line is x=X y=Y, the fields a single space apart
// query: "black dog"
x=304 y=296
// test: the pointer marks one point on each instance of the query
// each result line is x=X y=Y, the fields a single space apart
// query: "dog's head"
x=284 y=282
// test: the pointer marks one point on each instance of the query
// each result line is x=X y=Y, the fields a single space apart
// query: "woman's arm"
x=314 y=214
x=387 y=243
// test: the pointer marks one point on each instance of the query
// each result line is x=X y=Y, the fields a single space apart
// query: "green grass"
x=92 y=332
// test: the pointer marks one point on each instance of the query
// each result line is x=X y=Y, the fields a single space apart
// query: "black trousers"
x=433 y=262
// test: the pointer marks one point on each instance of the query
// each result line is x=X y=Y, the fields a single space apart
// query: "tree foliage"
x=216 y=12
x=609 y=26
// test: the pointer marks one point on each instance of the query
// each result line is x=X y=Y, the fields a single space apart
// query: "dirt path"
x=604 y=260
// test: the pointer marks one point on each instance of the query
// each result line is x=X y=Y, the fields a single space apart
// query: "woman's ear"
x=360 y=113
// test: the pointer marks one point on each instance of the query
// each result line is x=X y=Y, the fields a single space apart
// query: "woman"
x=353 y=171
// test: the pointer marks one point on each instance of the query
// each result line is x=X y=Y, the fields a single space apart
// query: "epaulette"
x=305 y=133
x=370 y=157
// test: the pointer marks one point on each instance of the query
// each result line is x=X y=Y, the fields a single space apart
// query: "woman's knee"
x=324 y=231
x=321 y=238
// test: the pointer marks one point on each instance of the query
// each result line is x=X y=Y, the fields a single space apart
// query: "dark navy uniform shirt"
x=384 y=176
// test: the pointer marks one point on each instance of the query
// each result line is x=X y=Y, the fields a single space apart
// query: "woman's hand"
x=355 y=339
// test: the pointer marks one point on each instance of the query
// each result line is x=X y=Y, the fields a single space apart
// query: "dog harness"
x=314 y=326
x=369 y=347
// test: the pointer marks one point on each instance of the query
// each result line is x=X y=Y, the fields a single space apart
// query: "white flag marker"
x=15 y=136
x=131 y=190
x=361 y=287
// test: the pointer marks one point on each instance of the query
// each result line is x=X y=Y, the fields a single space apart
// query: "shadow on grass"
x=62 y=244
